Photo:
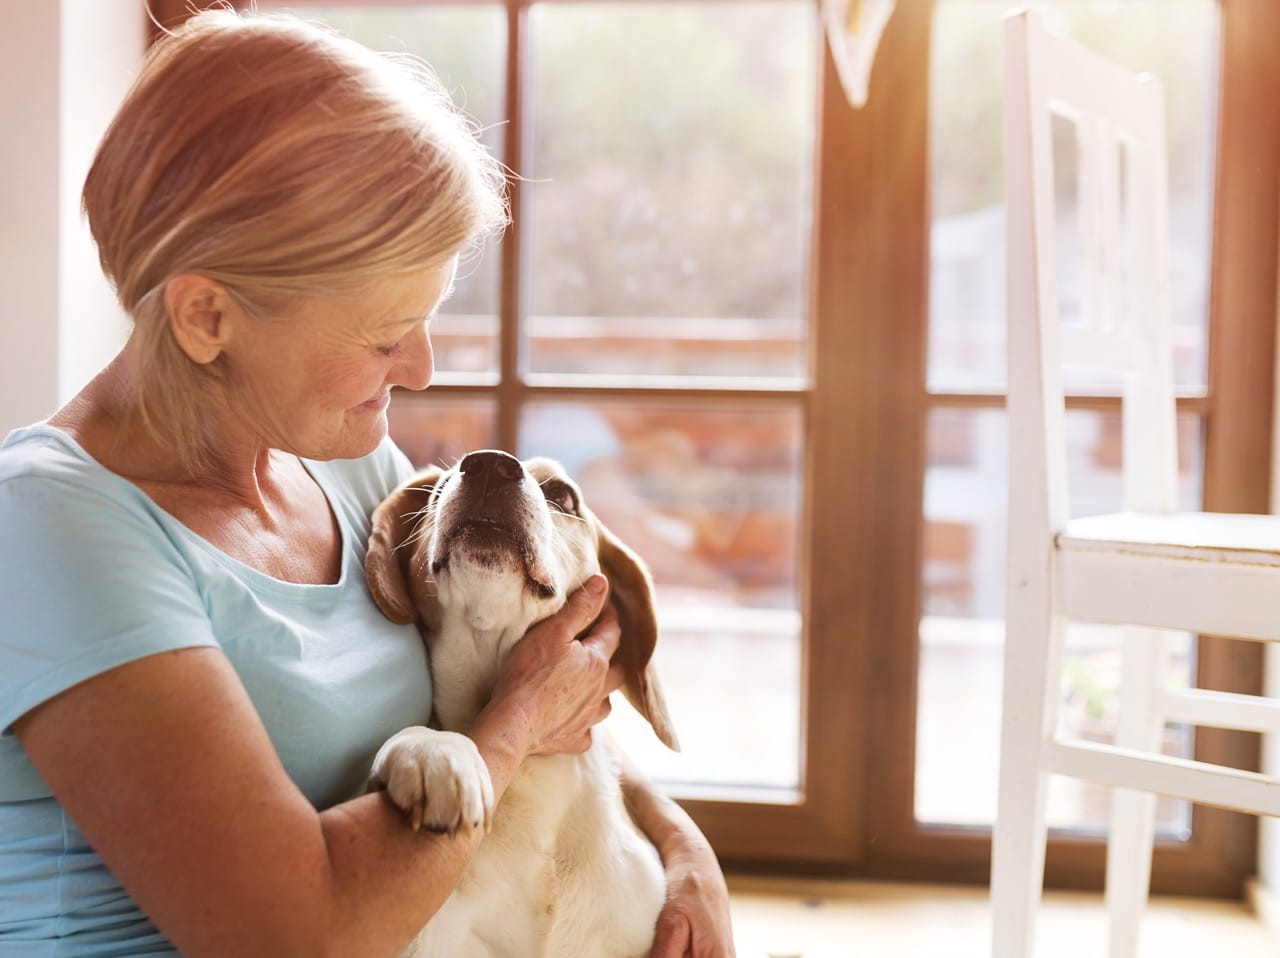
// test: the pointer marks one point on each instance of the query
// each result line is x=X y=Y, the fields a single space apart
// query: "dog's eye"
x=560 y=496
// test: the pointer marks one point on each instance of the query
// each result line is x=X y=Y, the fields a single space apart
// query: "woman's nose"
x=418 y=363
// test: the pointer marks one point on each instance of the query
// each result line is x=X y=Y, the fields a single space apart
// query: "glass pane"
x=670 y=196
x=466 y=45
x=711 y=499
x=962 y=626
x=436 y=431
x=966 y=338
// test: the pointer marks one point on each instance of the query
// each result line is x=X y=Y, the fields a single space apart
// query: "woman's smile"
x=378 y=403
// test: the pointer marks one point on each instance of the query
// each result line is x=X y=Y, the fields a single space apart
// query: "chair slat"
x=1079 y=82
x=1176 y=777
x=1230 y=710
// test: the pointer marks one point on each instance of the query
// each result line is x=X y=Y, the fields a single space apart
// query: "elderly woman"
x=193 y=676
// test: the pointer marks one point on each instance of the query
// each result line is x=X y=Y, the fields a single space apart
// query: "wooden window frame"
x=866 y=415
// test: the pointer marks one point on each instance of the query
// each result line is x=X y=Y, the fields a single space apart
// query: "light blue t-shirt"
x=93 y=574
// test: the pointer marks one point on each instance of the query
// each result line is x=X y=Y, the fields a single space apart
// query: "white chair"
x=1148 y=568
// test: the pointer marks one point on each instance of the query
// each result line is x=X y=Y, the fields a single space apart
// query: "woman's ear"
x=198 y=309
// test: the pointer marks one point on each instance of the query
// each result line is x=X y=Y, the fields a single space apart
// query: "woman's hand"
x=559 y=684
x=560 y=687
x=695 y=920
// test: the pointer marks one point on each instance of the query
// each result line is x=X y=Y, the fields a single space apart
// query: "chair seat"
x=1213 y=573
x=1198 y=536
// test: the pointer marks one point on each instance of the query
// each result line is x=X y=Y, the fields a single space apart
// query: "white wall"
x=64 y=66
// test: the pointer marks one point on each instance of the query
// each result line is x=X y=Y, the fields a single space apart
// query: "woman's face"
x=317 y=381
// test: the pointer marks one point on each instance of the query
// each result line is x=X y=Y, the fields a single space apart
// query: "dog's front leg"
x=436 y=778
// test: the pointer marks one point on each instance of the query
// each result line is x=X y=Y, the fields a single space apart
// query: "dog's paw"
x=436 y=778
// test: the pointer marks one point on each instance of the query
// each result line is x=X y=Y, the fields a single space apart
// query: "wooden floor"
x=783 y=919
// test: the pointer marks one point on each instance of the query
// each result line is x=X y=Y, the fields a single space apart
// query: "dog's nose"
x=493 y=465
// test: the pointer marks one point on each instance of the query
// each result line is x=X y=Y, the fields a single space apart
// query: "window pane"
x=962 y=626
x=466 y=45
x=711 y=499
x=967 y=324
x=435 y=431
x=670 y=193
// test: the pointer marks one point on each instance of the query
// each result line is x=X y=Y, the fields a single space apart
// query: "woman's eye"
x=393 y=348
x=561 y=497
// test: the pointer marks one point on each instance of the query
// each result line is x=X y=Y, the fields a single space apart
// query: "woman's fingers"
x=584 y=605
x=564 y=684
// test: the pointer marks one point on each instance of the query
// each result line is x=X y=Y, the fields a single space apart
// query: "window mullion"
x=510 y=388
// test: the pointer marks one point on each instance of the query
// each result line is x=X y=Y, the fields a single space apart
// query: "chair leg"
x=1017 y=861
x=1031 y=692
x=1133 y=813
x=1133 y=818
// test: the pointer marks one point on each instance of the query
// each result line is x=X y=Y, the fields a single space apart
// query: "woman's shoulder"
x=44 y=451
x=47 y=478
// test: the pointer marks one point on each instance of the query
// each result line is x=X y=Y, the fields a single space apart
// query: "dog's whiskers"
x=561 y=536
x=421 y=528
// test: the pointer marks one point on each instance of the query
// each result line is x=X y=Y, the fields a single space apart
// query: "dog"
x=476 y=555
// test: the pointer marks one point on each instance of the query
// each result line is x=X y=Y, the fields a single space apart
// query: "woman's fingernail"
x=594 y=585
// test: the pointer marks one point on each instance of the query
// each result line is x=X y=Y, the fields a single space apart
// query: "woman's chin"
x=363 y=444
x=359 y=437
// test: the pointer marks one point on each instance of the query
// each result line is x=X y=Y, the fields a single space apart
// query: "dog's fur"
x=476 y=555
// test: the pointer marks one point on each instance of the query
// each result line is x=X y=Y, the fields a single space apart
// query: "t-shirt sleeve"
x=87 y=583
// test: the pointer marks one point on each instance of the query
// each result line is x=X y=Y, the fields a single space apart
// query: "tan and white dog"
x=476 y=555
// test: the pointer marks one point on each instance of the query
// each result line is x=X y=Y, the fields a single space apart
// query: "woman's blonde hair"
x=280 y=160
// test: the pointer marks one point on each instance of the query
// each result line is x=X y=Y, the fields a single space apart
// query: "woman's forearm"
x=695 y=919
x=665 y=823
x=166 y=769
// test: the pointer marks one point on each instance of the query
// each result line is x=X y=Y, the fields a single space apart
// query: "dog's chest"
x=562 y=867
x=540 y=803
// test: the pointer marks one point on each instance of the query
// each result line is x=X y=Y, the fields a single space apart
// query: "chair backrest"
x=1121 y=324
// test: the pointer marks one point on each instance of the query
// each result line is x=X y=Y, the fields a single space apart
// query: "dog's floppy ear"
x=631 y=590
x=387 y=562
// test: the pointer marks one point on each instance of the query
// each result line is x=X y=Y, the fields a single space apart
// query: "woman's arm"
x=695 y=920
x=166 y=769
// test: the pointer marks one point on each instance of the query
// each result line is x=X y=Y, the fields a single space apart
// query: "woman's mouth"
x=378 y=403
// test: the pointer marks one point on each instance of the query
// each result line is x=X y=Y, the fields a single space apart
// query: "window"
x=765 y=330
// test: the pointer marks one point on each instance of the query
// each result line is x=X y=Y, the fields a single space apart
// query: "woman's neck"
x=106 y=419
